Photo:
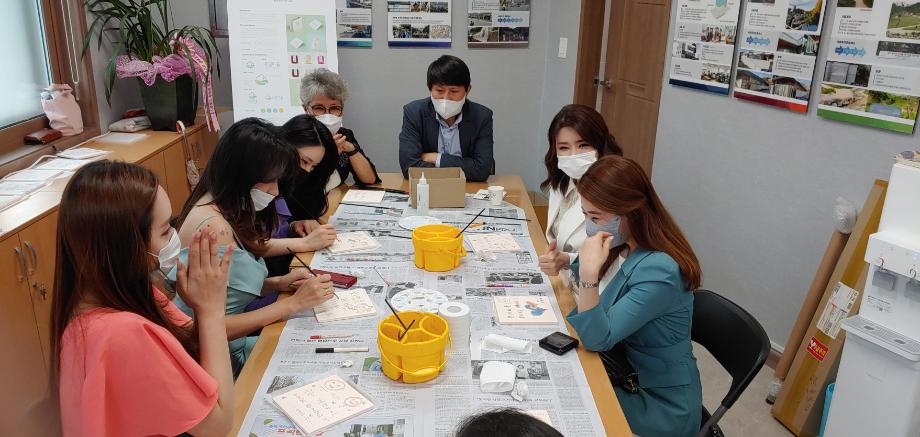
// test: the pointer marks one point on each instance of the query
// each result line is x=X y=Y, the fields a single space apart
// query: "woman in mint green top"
x=234 y=201
x=647 y=305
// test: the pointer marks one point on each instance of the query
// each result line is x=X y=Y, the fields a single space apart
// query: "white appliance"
x=878 y=383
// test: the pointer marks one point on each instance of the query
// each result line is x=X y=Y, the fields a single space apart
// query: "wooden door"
x=23 y=376
x=39 y=242
x=636 y=52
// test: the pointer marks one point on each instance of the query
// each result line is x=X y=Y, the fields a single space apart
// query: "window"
x=22 y=22
x=44 y=44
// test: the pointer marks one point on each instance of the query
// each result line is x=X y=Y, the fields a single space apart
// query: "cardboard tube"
x=812 y=299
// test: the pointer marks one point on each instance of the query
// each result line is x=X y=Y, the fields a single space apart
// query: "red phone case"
x=339 y=280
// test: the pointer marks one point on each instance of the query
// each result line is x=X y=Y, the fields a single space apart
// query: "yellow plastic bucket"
x=420 y=355
x=437 y=247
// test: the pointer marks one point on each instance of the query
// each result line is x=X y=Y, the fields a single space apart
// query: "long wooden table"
x=611 y=414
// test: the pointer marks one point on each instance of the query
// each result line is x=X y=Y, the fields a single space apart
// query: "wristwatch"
x=583 y=285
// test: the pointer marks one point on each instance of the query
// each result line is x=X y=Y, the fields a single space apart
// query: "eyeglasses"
x=321 y=110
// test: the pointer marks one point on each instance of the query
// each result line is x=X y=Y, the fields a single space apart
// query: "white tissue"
x=502 y=344
x=497 y=377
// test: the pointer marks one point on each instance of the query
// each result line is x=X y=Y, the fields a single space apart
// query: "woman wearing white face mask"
x=235 y=201
x=323 y=94
x=577 y=138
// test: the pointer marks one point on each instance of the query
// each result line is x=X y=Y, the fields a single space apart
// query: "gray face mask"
x=612 y=227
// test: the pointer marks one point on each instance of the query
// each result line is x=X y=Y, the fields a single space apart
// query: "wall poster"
x=778 y=51
x=273 y=44
x=353 y=20
x=418 y=24
x=498 y=23
x=872 y=74
x=704 y=42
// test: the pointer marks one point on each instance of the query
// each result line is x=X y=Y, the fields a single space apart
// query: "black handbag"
x=621 y=373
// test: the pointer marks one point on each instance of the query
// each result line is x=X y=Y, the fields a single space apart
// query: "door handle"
x=606 y=83
x=42 y=290
x=34 y=255
x=22 y=264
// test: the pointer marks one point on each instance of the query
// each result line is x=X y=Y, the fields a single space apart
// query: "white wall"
x=524 y=87
x=753 y=188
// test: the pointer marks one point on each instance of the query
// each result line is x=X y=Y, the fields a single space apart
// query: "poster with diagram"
x=778 y=51
x=418 y=24
x=272 y=46
x=872 y=74
x=704 y=43
x=353 y=19
x=498 y=23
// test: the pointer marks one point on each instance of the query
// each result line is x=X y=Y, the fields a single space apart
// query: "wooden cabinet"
x=23 y=374
x=39 y=244
x=176 y=179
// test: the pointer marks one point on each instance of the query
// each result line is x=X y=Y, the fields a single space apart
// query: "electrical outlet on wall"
x=563 y=47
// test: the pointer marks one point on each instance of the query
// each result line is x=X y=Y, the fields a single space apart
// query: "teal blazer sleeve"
x=646 y=287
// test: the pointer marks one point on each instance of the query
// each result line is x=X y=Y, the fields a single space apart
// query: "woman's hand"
x=553 y=260
x=319 y=238
x=311 y=293
x=343 y=145
x=592 y=256
x=304 y=227
x=202 y=284
x=293 y=280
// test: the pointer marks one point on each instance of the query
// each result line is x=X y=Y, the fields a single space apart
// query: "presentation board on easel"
x=272 y=46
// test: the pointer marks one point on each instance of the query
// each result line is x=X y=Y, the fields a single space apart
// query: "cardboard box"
x=446 y=186
x=800 y=402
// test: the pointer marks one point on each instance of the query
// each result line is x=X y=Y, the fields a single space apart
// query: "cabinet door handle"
x=34 y=255
x=42 y=290
x=22 y=264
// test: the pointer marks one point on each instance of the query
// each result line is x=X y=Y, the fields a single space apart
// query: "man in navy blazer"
x=446 y=129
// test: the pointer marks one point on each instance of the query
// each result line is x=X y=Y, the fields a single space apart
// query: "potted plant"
x=171 y=64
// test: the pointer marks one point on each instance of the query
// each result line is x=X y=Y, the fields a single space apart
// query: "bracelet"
x=291 y=227
x=353 y=152
x=583 y=284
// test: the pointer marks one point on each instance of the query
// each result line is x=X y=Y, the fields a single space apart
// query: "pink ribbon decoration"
x=172 y=66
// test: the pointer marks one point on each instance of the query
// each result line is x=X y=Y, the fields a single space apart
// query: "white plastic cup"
x=496 y=195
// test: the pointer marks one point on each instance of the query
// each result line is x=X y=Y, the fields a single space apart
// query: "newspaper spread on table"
x=557 y=384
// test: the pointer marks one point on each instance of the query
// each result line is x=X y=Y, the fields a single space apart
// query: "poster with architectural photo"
x=418 y=24
x=777 y=52
x=272 y=46
x=498 y=23
x=872 y=74
x=704 y=42
x=353 y=19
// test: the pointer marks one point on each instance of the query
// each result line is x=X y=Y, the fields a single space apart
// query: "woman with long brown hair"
x=126 y=360
x=577 y=137
x=638 y=318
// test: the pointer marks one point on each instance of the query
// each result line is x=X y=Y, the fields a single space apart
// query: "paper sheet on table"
x=351 y=242
x=502 y=242
x=350 y=304
x=34 y=175
x=364 y=196
x=123 y=137
x=86 y=152
x=64 y=164
x=322 y=403
x=19 y=188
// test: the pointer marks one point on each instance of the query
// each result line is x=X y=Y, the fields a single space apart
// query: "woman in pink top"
x=130 y=363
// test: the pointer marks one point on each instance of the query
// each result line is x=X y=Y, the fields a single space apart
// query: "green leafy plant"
x=142 y=29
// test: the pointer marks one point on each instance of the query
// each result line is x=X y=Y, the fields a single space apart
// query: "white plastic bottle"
x=421 y=196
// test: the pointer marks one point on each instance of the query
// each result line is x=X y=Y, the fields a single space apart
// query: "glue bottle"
x=421 y=196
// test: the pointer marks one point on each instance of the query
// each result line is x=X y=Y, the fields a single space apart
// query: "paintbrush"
x=471 y=222
x=308 y=269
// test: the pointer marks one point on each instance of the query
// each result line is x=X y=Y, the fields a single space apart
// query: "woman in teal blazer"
x=647 y=304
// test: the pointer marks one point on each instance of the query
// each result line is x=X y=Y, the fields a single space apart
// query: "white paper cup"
x=496 y=195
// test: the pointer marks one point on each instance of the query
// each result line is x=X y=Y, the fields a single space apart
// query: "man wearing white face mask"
x=323 y=94
x=577 y=138
x=446 y=129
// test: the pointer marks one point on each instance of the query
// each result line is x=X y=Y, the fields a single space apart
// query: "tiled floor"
x=750 y=416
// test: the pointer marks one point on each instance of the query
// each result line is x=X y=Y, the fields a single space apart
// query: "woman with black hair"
x=234 y=200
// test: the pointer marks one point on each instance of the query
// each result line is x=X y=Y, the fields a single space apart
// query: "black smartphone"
x=558 y=343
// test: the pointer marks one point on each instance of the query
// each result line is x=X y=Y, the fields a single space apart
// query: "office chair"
x=736 y=340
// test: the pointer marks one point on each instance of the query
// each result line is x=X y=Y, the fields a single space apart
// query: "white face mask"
x=169 y=254
x=447 y=108
x=575 y=166
x=333 y=122
x=260 y=199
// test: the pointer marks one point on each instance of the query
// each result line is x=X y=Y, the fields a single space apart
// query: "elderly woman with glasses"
x=323 y=94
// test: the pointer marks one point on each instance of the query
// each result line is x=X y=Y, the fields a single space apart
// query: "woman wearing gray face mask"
x=577 y=138
x=638 y=316
x=323 y=94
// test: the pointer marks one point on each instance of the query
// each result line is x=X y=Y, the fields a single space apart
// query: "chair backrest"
x=732 y=336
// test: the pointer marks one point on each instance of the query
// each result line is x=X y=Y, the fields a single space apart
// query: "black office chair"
x=736 y=340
